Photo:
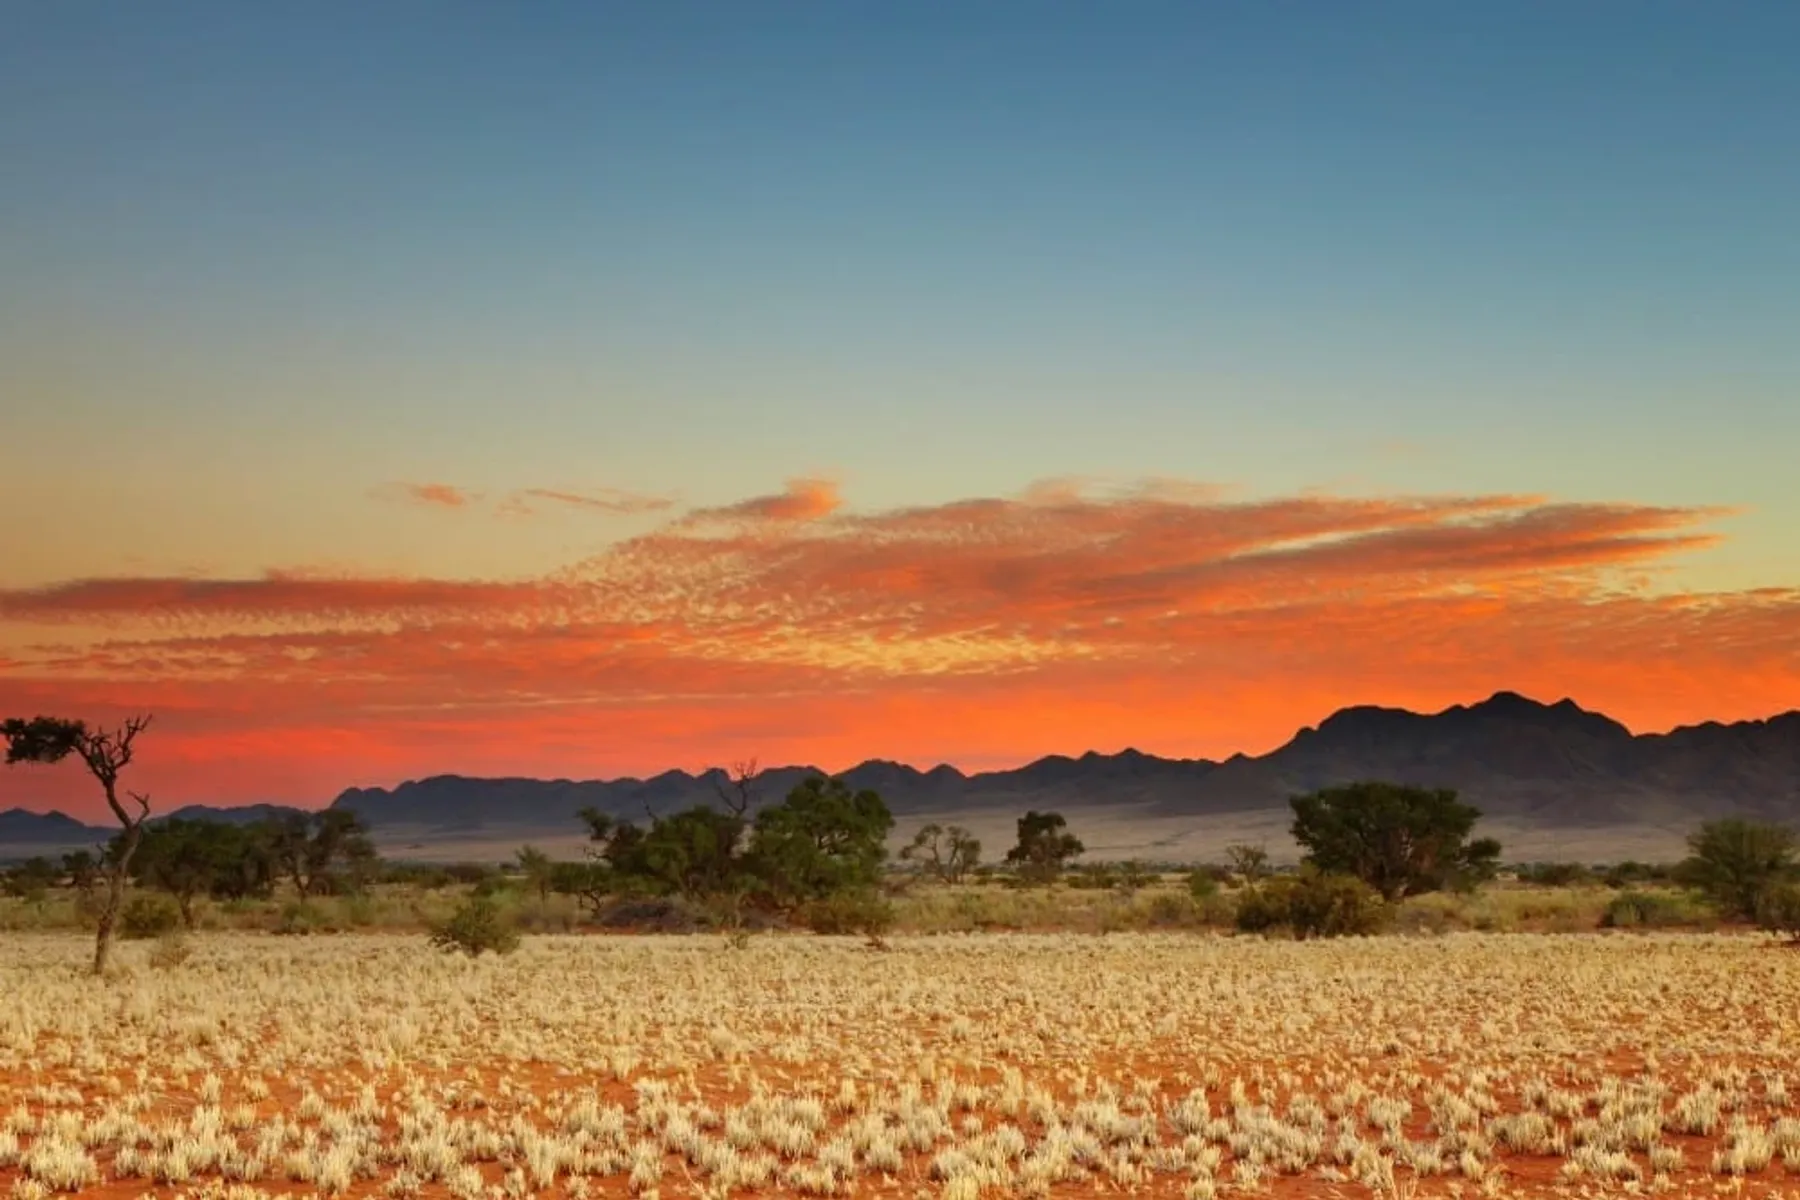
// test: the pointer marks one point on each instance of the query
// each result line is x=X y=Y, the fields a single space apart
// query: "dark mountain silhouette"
x=1551 y=764
x=1548 y=765
x=242 y=814
x=53 y=829
x=21 y=828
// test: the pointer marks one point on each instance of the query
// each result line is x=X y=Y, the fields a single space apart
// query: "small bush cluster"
x=864 y=912
x=1312 y=904
x=1633 y=909
x=148 y=915
x=475 y=928
x=1778 y=910
x=1556 y=874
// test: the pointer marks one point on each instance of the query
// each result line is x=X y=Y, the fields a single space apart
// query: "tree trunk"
x=116 y=880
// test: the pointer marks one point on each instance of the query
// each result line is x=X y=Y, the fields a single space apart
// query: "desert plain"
x=236 y=1066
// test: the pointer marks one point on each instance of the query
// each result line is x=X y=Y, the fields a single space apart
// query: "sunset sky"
x=584 y=389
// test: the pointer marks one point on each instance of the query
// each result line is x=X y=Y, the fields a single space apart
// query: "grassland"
x=235 y=1065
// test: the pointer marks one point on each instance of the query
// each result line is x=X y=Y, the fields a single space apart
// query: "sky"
x=573 y=390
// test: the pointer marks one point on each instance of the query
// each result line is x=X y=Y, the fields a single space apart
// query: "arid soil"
x=1064 y=1065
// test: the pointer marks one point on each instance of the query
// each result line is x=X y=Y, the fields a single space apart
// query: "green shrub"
x=298 y=917
x=1633 y=909
x=1629 y=872
x=1327 y=905
x=1202 y=884
x=478 y=925
x=148 y=915
x=1182 y=910
x=1778 y=910
x=497 y=886
x=1556 y=874
x=861 y=911
x=1312 y=904
x=1262 y=908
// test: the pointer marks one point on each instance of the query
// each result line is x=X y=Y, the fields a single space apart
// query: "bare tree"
x=950 y=854
x=738 y=792
x=105 y=753
x=1249 y=863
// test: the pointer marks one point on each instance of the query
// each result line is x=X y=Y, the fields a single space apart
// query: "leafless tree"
x=950 y=854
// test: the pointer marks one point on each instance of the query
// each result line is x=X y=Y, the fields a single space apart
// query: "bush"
x=477 y=926
x=863 y=912
x=1648 y=910
x=148 y=915
x=298 y=917
x=1095 y=877
x=1313 y=904
x=172 y=950
x=1202 y=884
x=1556 y=874
x=1261 y=909
x=1778 y=910
x=1629 y=872
x=497 y=886
x=1325 y=905
x=1178 y=910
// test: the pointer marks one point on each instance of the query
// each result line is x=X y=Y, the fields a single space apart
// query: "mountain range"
x=1542 y=765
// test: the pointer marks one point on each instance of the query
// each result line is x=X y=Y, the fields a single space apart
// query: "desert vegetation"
x=1009 y=1064
x=1240 y=1029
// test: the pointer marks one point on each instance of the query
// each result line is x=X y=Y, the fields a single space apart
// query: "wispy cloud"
x=985 y=629
x=611 y=501
x=525 y=502
x=435 y=495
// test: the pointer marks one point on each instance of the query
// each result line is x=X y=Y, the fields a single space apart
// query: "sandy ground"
x=992 y=1064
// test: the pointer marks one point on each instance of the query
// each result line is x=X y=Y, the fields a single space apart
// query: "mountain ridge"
x=1551 y=764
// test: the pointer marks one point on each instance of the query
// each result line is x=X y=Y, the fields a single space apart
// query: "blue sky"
x=1260 y=242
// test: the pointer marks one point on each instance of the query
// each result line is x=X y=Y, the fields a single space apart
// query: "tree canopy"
x=1734 y=862
x=1045 y=846
x=1400 y=840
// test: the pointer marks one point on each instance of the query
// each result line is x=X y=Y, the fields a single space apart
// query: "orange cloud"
x=441 y=495
x=982 y=631
x=800 y=500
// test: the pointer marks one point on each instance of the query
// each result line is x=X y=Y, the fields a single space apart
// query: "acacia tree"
x=106 y=753
x=323 y=851
x=1399 y=840
x=1734 y=861
x=823 y=839
x=949 y=854
x=1045 y=846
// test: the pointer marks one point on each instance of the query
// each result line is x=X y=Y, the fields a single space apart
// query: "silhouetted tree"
x=83 y=870
x=1045 y=846
x=106 y=753
x=1399 y=840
